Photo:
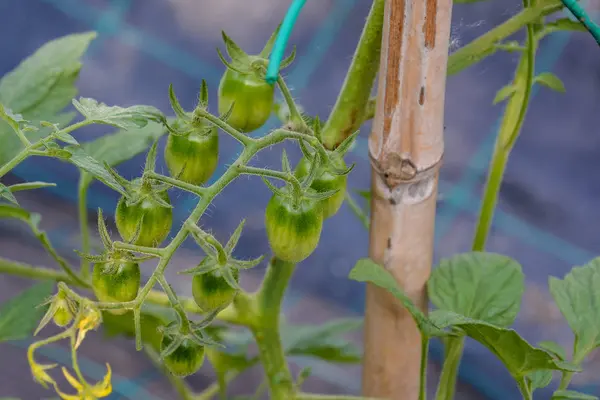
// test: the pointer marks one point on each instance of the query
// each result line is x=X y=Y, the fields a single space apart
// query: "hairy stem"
x=266 y=333
x=448 y=377
x=83 y=225
x=484 y=45
x=350 y=108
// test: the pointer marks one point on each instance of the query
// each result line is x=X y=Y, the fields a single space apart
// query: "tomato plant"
x=146 y=222
x=476 y=294
x=211 y=290
x=194 y=157
x=248 y=96
x=293 y=230
x=116 y=281
x=185 y=359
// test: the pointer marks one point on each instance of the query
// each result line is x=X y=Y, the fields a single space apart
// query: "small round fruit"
x=324 y=182
x=116 y=282
x=211 y=290
x=293 y=233
x=62 y=315
x=193 y=158
x=252 y=100
x=155 y=219
x=184 y=360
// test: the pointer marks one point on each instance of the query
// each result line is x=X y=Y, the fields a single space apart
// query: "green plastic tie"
x=583 y=17
x=282 y=38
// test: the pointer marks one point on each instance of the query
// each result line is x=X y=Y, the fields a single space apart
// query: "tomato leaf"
x=551 y=81
x=41 y=86
x=482 y=286
x=18 y=187
x=6 y=193
x=539 y=379
x=20 y=315
x=572 y=395
x=322 y=341
x=562 y=24
x=87 y=163
x=366 y=270
x=122 y=145
x=33 y=220
x=120 y=117
x=576 y=297
x=504 y=93
x=519 y=357
x=553 y=348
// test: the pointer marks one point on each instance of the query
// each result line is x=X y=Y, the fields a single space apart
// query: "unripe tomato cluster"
x=293 y=227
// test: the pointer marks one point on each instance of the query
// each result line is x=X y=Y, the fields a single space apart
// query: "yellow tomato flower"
x=85 y=392
x=90 y=320
x=39 y=373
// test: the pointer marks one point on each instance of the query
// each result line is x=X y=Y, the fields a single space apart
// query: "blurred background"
x=547 y=217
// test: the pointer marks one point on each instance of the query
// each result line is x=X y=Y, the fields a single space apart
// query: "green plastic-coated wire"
x=583 y=17
x=282 y=38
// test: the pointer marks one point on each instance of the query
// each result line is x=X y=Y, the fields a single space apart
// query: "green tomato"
x=253 y=99
x=62 y=315
x=186 y=359
x=293 y=233
x=116 y=282
x=155 y=219
x=197 y=155
x=326 y=181
x=211 y=290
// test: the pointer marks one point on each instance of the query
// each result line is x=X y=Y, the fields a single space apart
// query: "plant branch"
x=266 y=332
x=484 y=45
x=295 y=115
x=83 y=224
x=197 y=190
x=350 y=108
x=447 y=384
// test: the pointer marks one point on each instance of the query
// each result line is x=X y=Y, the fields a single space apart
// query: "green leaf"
x=13 y=120
x=553 y=348
x=562 y=24
x=6 y=193
x=577 y=297
x=551 y=81
x=482 y=286
x=87 y=163
x=41 y=86
x=366 y=270
x=539 y=379
x=122 y=145
x=572 y=395
x=18 y=187
x=33 y=220
x=124 y=118
x=20 y=315
x=36 y=77
x=323 y=341
x=504 y=93
x=519 y=357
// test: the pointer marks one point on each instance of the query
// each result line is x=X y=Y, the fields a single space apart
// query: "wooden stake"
x=406 y=148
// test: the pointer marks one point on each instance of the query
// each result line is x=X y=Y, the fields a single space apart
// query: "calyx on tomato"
x=61 y=311
x=182 y=346
x=294 y=215
x=116 y=274
x=244 y=95
x=192 y=150
x=331 y=173
x=144 y=215
x=215 y=281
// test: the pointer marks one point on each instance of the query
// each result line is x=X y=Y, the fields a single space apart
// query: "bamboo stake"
x=405 y=148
